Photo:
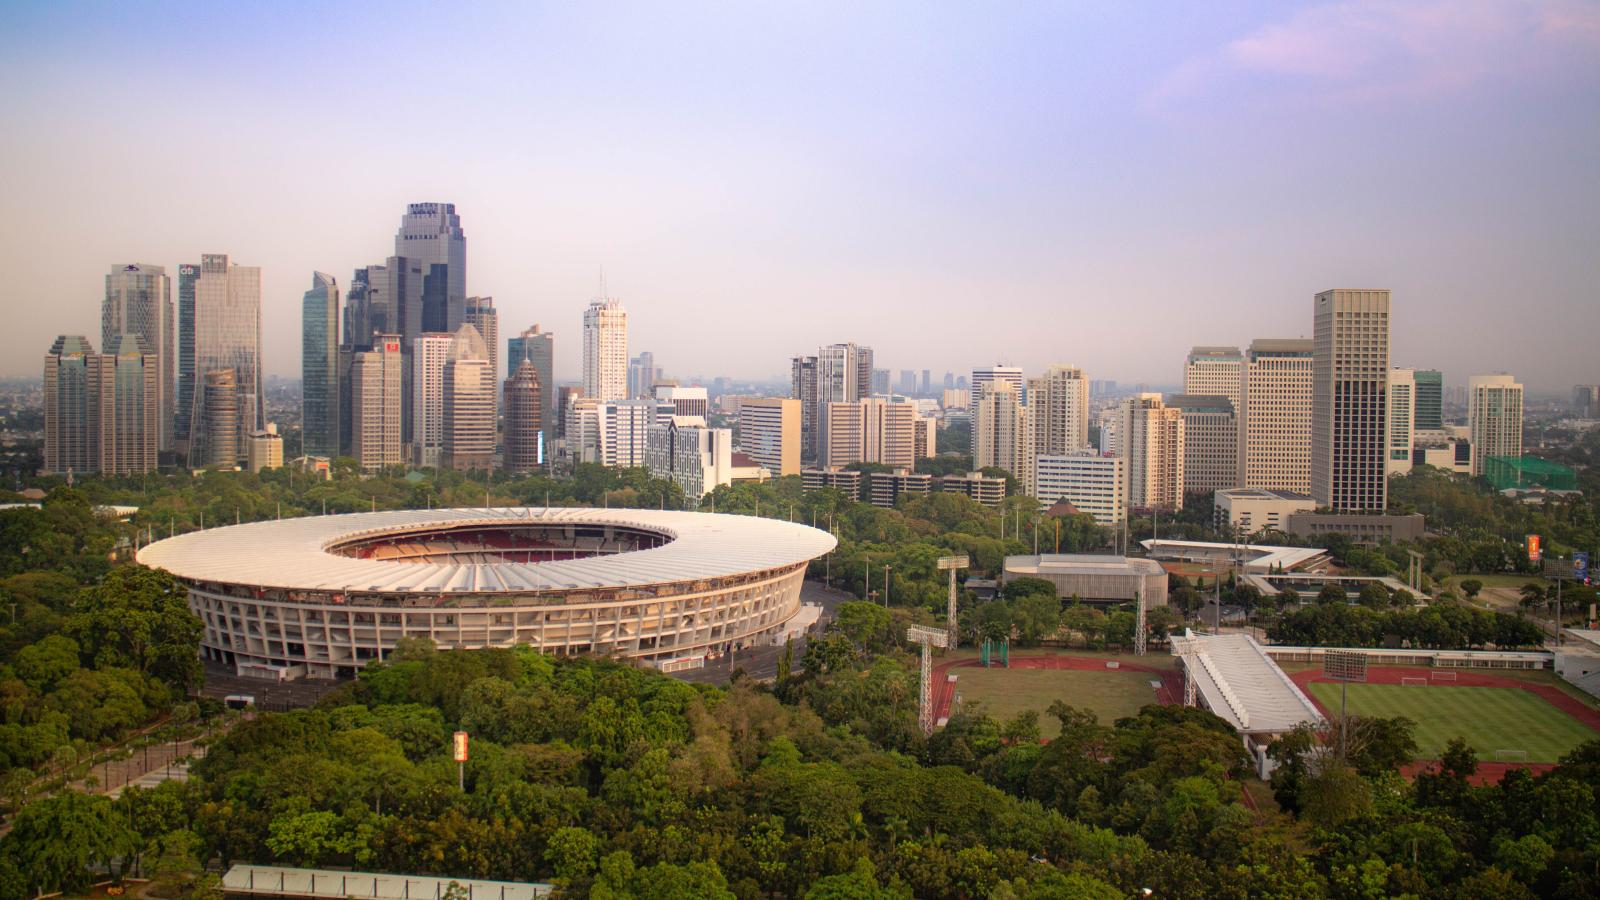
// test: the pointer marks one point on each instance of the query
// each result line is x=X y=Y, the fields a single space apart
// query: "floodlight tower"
x=928 y=638
x=1185 y=648
x=1138 y=623
x=952 y=563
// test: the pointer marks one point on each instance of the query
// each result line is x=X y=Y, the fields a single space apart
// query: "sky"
x=953 y=184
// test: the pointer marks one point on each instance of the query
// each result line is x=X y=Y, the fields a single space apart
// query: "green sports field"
x=1110 y=693
x=1491 y=719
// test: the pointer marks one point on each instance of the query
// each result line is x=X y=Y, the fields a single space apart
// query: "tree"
x=43 y=665
x=56 y=842
x=1332 y=592
x=139 y=618
x=1471 y=587
x=1374 y=595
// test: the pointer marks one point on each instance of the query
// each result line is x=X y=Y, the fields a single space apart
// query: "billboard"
x=1534 y=553
x=461 y=746
x=1580 y=565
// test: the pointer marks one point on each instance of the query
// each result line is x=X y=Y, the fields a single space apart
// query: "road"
x=761 y=663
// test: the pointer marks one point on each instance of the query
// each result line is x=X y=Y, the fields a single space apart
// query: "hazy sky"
x=955 y=184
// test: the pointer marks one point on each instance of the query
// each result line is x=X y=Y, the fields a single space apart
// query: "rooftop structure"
x=1248 y=557
x=1094 y=578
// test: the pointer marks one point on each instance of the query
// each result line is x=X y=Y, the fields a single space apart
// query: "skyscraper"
x=1275 y=416
x=1210 y=443
x=1349 y=408
x=71 y=407
x=430 y=236
x=1151 y=441
x=769 y=431
x=524 y=406
x=642 y=374
x=429 y=354
x=1214 y=372
x=605 y=350
x=221 y=444
x=223 y=331
x=1010 y=375
x=538 y=347
x=376 y=400
x=138 y=301
x=803 y=387
x=1430 y=399
x=1494 y=418
x=870 y=430
x=481 y=315
x=1059 y=403
x=469 y=389
x=1400 y=432
x=319 y=367
x=127 y=382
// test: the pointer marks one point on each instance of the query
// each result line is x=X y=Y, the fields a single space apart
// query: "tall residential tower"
x=1349 y=399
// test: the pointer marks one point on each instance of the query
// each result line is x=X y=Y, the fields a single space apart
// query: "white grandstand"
x=323 y=595
x=1232 y=675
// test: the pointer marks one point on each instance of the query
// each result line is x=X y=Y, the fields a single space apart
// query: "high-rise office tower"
x=524 y=406
x=1010 y=375
x=908 y=382
x=429 y=354
x=376 y=399
x=1494 y=418
x=769 y=431
x=219 y=307
x=128 y=384
x=71 y=407
x=870 y=430
x=220 y=403
x=1275 y=416
x=1002 y=430
x=605 y=350
x=1210 y=443
x=481 y=315
x=319 y=367
x=1349 y=406
x=1151 y=441
x=1430 y=399
x=1214 y=372
x=1400 y=430
x=139 y=301
x=927 y=383
x=539 y=348
x=880 y=382
x=1586 y=400
x=469 y=389
x=642 y=374
x=803 y=387
x=839 y=373
x=1059 y=403
x=430 y=236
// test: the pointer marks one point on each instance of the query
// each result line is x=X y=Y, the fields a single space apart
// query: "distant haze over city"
x=1100 y=186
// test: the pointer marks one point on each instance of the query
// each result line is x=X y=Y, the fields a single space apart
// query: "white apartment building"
x=1494 y=418
x=1402 y=421
x=1008 y=375
x=1091 y=482
x=1214 y=372
x=1152 y=443
x=1275 y=415
x=1002 y=432
x=683 y=401
x=605 y=350
x=429 y=353
x=469 y=402
x=1349 y=412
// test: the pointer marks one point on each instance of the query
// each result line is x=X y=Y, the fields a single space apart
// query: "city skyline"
x=1188 y=191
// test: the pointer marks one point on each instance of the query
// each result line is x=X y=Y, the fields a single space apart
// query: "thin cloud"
x=1374 y=48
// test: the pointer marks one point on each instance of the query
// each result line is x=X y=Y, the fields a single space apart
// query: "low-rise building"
x=1250 y=511
x=989 y=490
x=1094 y=578
x=1092 y=482
x=265 y=450
x=886 y=488
x=1358 y=527
x=845 y=480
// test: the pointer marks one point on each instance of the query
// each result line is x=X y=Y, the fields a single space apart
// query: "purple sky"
x=954 y=184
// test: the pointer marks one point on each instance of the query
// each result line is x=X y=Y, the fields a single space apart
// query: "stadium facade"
x=322 y=596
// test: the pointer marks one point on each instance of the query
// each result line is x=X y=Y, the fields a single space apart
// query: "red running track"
x=1171 y=692
x=1490 y=771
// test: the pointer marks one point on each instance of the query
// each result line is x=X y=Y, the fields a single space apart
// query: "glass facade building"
x=138 y=301
x=225 y=323
x=319 y=367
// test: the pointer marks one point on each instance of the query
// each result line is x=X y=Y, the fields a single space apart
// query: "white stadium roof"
x=292 y=554
x=1240 y=683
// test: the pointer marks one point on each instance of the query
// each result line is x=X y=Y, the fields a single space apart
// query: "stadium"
x=321 y=596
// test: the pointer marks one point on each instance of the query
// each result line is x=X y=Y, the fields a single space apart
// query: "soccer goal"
x=1409 y=681
x=1511 y=756
x=1443 y=676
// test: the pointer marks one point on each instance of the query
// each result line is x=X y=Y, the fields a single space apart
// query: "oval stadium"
x=324 y=595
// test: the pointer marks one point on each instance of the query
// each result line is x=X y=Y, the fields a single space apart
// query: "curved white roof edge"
x=291 y=554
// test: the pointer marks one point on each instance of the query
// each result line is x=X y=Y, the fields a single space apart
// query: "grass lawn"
x=1491 y=719
x=1005 y=692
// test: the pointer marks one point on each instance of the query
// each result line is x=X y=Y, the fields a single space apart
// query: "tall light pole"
x=886 y=585
x=951 y=564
